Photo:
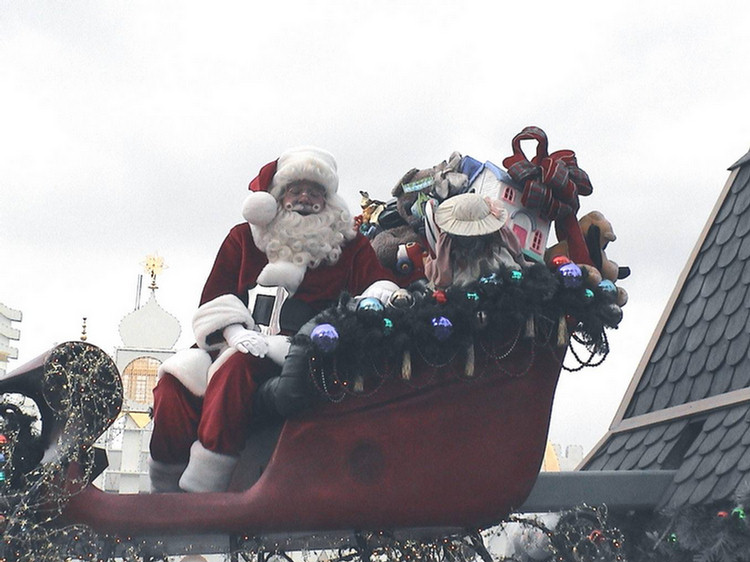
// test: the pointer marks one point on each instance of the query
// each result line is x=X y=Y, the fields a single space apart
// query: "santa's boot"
x=165 y=477
x=207 y=471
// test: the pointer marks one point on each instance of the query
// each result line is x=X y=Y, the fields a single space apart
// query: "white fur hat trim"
x=260 y=208
x=305 y=163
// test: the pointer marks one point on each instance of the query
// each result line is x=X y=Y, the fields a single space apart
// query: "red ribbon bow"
x=552 y=184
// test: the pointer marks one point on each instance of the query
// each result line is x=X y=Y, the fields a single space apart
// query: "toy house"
x=490 y=180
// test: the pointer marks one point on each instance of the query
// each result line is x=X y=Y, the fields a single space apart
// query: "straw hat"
x=469 y=214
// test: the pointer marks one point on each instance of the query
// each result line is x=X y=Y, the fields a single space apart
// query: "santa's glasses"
x=313 y=191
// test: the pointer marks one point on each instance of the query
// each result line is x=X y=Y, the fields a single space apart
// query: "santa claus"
x=295 y=254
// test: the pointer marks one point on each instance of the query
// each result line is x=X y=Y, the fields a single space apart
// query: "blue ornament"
x=325 y=337
x=606 y=286
x=2 y=458
x=442 y=327
x=571 y=275
x=491 y=279
x=370 y=303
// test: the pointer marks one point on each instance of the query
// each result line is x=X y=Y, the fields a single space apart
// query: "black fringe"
x=505 y=301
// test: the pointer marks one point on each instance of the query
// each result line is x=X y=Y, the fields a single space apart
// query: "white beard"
x=306 y=240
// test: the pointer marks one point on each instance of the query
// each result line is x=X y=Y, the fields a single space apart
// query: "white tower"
x=149 y=334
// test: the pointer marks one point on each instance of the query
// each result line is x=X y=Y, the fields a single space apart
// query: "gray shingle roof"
x=688 y=406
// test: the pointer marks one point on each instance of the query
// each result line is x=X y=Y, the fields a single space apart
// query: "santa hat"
x=303 y=163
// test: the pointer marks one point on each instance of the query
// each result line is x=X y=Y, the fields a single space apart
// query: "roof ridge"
x=741 y=162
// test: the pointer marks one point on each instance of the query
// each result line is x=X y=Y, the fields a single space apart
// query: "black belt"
x=293 y=315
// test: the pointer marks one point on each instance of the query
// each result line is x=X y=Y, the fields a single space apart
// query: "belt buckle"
x=265 y=305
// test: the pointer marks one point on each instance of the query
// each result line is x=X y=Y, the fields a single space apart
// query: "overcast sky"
x=130 y=128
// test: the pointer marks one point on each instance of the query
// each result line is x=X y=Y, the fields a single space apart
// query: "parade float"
x=432 y=411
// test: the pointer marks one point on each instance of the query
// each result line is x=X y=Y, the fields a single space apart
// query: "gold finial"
x=84 y=337
x=154 y=265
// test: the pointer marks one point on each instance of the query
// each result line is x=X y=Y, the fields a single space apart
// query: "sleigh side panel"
x=461 y=453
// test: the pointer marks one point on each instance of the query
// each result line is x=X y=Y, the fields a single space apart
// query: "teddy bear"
x=597 y=233
x=402 y=246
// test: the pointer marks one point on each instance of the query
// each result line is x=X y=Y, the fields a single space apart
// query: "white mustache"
x=303 y=207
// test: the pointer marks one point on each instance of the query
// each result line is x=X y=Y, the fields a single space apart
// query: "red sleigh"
x=446 y=452
x=441 y=449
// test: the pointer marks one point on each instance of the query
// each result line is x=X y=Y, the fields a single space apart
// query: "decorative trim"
x=684 y=410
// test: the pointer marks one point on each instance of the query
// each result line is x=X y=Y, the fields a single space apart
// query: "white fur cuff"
x=207 y=471
x=217 y=314
x=190 y=367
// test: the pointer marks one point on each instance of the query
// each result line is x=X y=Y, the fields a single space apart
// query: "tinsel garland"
x=701 y=533
x=20 y=445
x=80 y=388
x=380 y=546
x=579 y=534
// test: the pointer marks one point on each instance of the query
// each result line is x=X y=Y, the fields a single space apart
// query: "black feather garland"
x=441 y=325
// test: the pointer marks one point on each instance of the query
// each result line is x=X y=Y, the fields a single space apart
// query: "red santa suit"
x=239 y=262
x=202 y=407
